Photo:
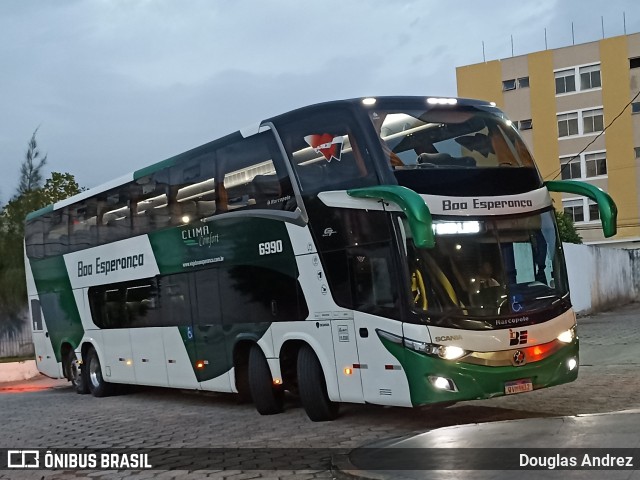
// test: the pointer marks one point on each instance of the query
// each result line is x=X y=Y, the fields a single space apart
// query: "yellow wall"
x=482 y=81
x=619 y=137
x=543 y=114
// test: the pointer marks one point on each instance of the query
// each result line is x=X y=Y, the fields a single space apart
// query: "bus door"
x=212 y=359
x=376 y=300
x=147 y=344
x=177 y=335
x=45 y=357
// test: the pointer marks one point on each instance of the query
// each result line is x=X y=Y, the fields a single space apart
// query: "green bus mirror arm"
x=606 y=205
x=412 y=205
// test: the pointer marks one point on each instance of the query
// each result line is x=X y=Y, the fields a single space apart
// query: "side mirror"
x=606 y=205
x=412 y=205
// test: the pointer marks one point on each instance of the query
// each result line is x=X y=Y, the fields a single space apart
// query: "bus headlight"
x=568 y=335
x=446 y=352
x=450 y=352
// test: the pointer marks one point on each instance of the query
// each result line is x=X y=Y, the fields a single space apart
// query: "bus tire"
x=267 y=398
x=93 y=376
x=313 y=387
x=73 y=371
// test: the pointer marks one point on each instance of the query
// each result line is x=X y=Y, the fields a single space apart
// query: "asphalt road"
x=48 y=414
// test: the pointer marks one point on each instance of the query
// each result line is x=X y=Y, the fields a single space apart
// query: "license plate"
x=518 y=386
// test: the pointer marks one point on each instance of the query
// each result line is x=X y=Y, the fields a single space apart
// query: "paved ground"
x=54 y=416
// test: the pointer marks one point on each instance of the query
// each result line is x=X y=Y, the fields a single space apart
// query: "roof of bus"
x=353 y=102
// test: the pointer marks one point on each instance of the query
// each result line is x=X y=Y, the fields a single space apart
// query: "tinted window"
x=56 y=232
x=175 y=299
x=325 y=151
x=251 y=293
x=362 y=278
x=114 y=216
x=254 y=175
x=34 y=239
x=208 y=299
x=83 y=231
x=142 y=303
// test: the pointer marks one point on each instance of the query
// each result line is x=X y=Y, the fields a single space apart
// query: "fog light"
x=572 y=364
x=443 y=383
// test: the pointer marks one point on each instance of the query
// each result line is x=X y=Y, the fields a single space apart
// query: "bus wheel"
x=267 y=398
x=74 y=373
x=93 y=376
x=313 y=387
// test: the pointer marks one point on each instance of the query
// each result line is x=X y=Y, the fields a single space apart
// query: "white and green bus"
x=394 y=251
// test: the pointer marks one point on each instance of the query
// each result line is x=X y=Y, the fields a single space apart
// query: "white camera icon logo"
x=23 y=459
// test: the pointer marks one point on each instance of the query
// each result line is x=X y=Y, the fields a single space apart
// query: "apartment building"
x=578 y=109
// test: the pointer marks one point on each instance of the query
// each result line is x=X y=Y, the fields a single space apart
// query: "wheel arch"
x=294 y=343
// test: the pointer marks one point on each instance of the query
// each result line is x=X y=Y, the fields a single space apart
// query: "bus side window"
x=34 y=239
x=175 y=302
x=142 y=304
x=372 y=285
x=83 y=218
x=208 y=298
x=192 y=195
x=56 y=232
x=114 y=215
x=254 y=175
x=252 y=293
x=325 y=151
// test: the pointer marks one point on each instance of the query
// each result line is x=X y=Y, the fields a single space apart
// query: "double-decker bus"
x=394 y=251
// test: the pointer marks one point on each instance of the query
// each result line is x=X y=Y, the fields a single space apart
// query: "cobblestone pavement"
x=154 y=418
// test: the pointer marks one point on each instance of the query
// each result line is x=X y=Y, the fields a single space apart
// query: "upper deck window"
x=326 y=153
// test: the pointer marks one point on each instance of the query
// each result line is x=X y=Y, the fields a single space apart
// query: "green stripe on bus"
x=58 y=302
x=39 y=213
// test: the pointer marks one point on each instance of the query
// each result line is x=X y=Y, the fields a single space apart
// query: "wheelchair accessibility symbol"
x=516 y=306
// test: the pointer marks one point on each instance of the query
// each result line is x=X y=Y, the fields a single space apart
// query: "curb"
x=16 y=371
x=343 y=469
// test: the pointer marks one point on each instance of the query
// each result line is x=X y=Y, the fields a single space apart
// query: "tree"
x=566 y=228
x=30 y=170
x=13 y=292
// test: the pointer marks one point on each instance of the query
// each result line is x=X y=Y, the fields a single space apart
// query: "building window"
x=594 y=212
x=590 y=77
x=571 y=168
x=568 y=124
x=592 y=121
x=575 y=210
x=565 y=81
x=581 y=210
x=635 y=107
x=637 y=151
x=596 y=164
x=509 y=85
x=585 y=165
x=634 y=62
x=526 y=124
x=523 y=82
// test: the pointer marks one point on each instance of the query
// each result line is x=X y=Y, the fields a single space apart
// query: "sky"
x=116 y=85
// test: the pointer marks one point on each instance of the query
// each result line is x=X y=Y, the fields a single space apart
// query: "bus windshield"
x=488 y=267
x=441 y=137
